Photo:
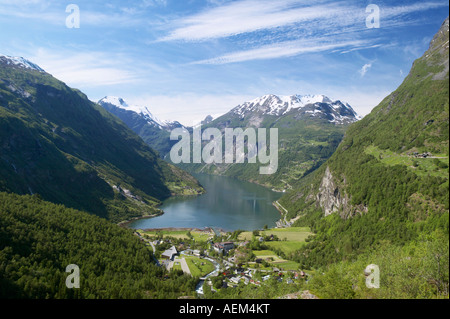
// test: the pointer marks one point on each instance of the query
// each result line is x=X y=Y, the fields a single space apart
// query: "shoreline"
x=174 y=229
x=125 y=223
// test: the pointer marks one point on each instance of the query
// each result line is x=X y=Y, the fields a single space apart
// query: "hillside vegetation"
x=56 y=143
x=38 y=240
x=375 y=190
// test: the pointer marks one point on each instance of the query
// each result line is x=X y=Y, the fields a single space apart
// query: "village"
x=227 y=260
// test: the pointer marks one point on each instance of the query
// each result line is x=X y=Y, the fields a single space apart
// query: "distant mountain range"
x=319 y=106
x=56 y=143
x=310 y=126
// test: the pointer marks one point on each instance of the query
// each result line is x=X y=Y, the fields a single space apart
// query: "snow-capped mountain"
x=142 y=111
x=304 y=105
x=309 y=128
x=19 y=62
x=154 y=132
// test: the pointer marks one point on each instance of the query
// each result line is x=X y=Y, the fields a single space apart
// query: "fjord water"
x=229 y=204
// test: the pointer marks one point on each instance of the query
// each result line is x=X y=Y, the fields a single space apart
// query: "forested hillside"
x=388 y=181
x=56 y=143
x=38 y=240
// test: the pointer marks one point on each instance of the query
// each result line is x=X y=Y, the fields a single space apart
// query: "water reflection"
x=229 y=204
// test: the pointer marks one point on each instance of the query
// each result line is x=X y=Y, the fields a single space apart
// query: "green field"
x=199 y=267
x=264 y=254
x=199 y=236
x=290 y=240
x=286 y=246
x=275 y=260
x=434 y=166
x=298 y=234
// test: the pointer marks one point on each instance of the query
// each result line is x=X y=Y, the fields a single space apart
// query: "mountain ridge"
x=310 y=129
x=57 y=143
x=281 y=105
x=20 y=62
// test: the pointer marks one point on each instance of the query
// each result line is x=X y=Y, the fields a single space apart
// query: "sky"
x=186 y=59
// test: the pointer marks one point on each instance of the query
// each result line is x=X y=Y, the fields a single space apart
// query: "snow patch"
x=141 y=110
x=20 y=62
x=281 y=105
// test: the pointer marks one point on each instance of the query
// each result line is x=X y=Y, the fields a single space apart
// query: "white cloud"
x=365 y=69
x=53 y=13
x=246 y=16
x=288 y=28
x=280 y=50
x=85 y=69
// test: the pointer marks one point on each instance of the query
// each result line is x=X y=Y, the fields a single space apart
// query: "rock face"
x=333 y=199
x=440 y=45
x=330 y=198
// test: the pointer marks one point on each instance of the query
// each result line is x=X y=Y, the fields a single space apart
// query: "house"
x=424 y=155
x=197 y=253
x=224 y=247
x=170 y=253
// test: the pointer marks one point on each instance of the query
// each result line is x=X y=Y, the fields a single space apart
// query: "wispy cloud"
x=365 y=69
x=86 y=69
x=53 y=13
x=283 y=49
x=239 y=17
x=246 y=16
x=287 y=27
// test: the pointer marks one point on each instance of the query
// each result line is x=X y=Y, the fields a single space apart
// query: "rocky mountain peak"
x=19 y=62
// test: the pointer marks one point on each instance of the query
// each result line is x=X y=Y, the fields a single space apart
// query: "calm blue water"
x=229 y=204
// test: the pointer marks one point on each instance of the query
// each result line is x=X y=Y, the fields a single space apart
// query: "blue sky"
x=186 y=59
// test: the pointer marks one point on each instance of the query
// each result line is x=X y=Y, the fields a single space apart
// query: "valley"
x=310 y=127
x=256 y=262
x=102 y=185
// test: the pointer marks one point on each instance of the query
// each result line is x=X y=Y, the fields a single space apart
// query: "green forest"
x=38 y=240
